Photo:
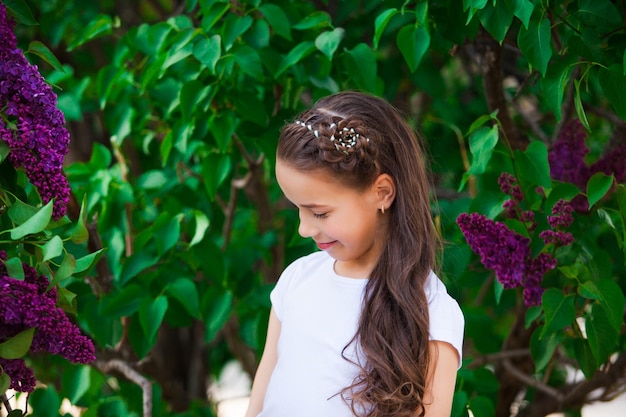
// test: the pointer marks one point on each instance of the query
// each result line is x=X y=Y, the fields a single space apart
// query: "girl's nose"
x=306 y=229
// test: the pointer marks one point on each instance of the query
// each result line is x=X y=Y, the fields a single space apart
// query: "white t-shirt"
x=319 y=313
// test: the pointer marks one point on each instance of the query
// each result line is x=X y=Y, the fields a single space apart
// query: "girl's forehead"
x=309 y=187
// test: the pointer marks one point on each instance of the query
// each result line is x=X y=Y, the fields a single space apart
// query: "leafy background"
x=174 y=109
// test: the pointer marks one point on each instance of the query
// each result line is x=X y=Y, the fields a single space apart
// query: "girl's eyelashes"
x=320 y=215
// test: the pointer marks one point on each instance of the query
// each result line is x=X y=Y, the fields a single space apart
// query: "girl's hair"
x=356 y=137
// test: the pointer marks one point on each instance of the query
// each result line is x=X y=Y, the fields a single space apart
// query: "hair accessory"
x=344 y=139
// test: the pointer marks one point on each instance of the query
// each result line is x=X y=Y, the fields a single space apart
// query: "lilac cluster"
x=567 y=155
x=26 y=304
x=31 y=124
x=567 y=161
x=507 y=254
x=561 y=218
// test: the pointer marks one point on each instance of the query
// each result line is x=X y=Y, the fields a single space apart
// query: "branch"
x=6 y=403
x=133 y=376
x=490 y=61
x=498 y=357
x=532 y=382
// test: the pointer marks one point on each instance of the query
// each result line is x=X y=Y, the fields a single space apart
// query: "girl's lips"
x=325 y=246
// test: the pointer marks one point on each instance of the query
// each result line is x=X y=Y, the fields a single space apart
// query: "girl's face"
x=342 y=221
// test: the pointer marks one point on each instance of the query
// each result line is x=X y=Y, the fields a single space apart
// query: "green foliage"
x=180 y=232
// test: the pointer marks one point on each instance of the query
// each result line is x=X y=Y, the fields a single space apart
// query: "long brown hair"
x=393 y=330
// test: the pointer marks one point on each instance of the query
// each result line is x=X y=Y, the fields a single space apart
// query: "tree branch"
x=133 y=376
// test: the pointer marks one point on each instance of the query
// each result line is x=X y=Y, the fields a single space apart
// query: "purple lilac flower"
x=500 y=249
x=26 y=304
x=561 y=215
x=613 y=162
x=558 y=237
x=508 y=184
x=536 y=269
x=567 y=155
x=34 y=128
x=22 y=377
x=507 y=254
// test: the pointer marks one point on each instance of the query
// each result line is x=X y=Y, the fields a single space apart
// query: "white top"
x=319 y=313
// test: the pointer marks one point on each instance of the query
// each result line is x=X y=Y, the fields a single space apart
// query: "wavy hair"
x=356 y=137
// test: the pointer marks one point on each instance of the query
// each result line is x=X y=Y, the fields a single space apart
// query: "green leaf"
x=223 y=126
x=151 y=313
x=52 y=248
x=542 y=349
x=523 y=11
x=381 y=23
x=612 y=299
x=45 y=402
x=67 y=301
x=249 y=61
x=363 y=65
x=23 y=14
x=208 y=51
x=599 y=13
x=4 y=151
x=66 y=269
x=589 y=290
x=413 y=42
x=185 y=291
x=125 y=302
x=329 y=41
x=217 y=312
x=536 y=43
x=202 y=225
x=578 y=104
x=532 y=314
x=497 y=18
x=553 y=85
x=234 y=27
x=14 y=268
x=168 y=234
x=84 y=263
x=277 y=20
x=215 y=169
x=80 y=234
x=76 y=381
x=37 y=223
x=482 y=406
x=559 y=311
x=459 y=404
x=99 y=26
x=597 y=187
x=602 y=336
x=18 y=345
x=42 y=51
x=137 y=263
x=191 y=95
x=315 y=19
x=584 y=356
x=481 y=142
x=5 y=382
x=533 y=166
x=613 y=83
x=294 y=56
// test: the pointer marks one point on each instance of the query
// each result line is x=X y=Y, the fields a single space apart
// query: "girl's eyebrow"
x=311 y=206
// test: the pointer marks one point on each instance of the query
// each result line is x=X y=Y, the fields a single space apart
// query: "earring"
x=382 y=209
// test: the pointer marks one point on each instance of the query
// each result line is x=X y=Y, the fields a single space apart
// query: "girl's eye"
x=320 y=215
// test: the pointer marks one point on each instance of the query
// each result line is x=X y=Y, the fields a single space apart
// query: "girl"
x=363 y=327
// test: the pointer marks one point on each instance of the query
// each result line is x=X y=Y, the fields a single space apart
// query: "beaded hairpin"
x=344 y=139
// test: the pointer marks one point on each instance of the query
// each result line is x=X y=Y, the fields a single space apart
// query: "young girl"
x=363 y=327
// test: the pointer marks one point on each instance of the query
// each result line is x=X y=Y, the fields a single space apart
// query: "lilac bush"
x=31 y=124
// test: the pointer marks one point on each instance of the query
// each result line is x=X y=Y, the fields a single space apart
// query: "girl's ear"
x=384 y=188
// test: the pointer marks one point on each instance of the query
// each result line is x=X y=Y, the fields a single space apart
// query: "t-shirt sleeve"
x=447 y=323
x=279 y=292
